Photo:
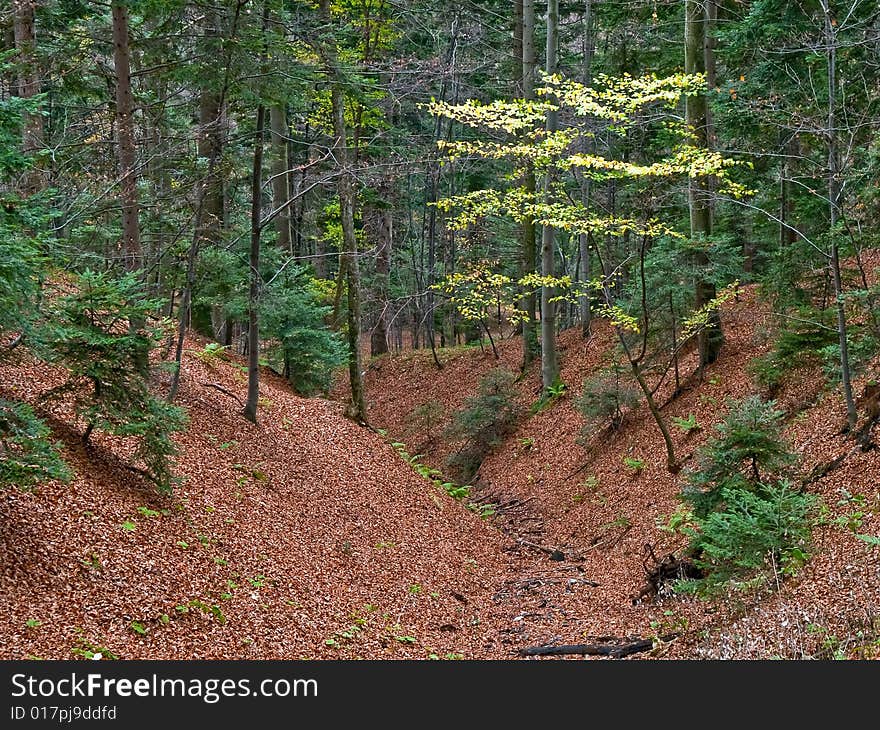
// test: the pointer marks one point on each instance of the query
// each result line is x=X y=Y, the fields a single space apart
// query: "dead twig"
x=225 y=391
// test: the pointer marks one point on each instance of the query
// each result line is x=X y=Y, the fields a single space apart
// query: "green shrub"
x=743 y=517
x=89 y=332
x=756 y=532
x=484 y=421
x=27 y=457
x=605 y=399
x=749 y=449
x=301 y=345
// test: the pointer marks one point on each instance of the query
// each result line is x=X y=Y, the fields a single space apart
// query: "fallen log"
x=613 y=650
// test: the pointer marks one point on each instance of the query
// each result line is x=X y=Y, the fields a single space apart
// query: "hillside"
x=303 y=537
x=586 y=502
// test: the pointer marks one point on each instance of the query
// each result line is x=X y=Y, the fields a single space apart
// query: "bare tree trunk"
x=253 y=392
x=211 y=141
x=529 y=248
x=584 y=273
x=549 y=364
x=379 y=336
x=357 y=408
x=280 y=179
x=517 y=47
x=25 y=37
x=131 y=239
x=710 y=337
x=835 y=203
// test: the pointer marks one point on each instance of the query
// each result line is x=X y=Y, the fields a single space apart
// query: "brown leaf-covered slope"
x=303 y=536
x=585 y=501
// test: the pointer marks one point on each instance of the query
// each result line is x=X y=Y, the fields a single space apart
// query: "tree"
x=253 y=391
x=349 y=259
x=131 y=253
x=747 y=518
x=620 y=105
x=83 y=332
x=710 y=338
x=529 y=250
x=749 y=450
x=834 y=204
x=28 y=457
x=279 y=175
x=549 y=363
x=24 y=30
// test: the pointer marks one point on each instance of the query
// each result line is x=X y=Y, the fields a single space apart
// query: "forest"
x=345 y=329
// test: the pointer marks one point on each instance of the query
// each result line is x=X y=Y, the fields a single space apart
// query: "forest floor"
x=307 y=536
x=582 y=500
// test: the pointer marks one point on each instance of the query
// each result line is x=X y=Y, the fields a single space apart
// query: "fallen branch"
x=554 y=553
x=615 y=651
x=225 y=391
x=822 y=470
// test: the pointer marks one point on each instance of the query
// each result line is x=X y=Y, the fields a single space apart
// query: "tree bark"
x=253 y=392
x=211 y=138
x=549 y=363
x=25 y=37
x=529 y=302
x=131 y=241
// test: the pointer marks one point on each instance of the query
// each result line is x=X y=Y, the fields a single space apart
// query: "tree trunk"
x=253 y=392
x=529 y=248
x=517 y=47
x=584 y=310
x=24 y=33
x=379 y=336
x=280 y=179
x=210 y=142
x=710 y=337
x=835 y=203
x=357 y=408
x=131 y=240
x=549 y=364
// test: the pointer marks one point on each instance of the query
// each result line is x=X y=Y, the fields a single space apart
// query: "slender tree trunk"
x=253 y=392
x=131 y=239
x=25 y=38
x=280 y=179
x=357 y=408
x=186 y=299
x=517 y=47
x=529 y=302
x=379 y=336
x=584 y=309
x=129 y=250
x=210 y=144
x=211 y=137
x=835 y=203
x=549 y=364
x=710 y=337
